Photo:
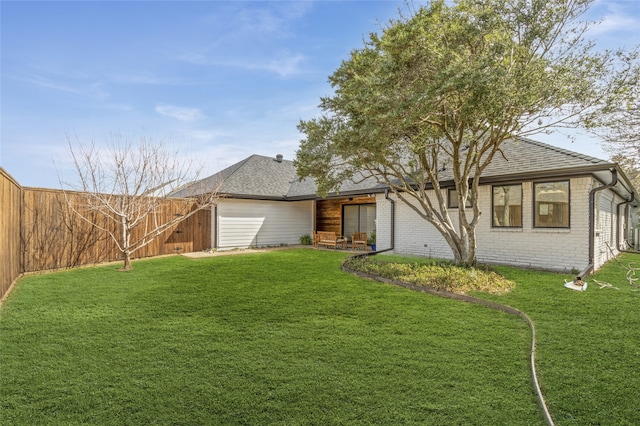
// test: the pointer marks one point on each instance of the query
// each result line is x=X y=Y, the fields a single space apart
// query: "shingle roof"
x=525 y=156
x=266 y=178
x=256 y=176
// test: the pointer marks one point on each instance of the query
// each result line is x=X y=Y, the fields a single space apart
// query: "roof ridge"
x=237 y=166
x=271 y=158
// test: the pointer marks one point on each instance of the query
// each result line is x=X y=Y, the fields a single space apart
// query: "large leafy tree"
x=622 y=141
x=618 y=122
x=437 y=94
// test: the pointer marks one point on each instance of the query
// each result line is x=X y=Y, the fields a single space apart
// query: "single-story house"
x=542 y=207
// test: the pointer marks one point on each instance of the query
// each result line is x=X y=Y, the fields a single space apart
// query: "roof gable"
x=256 y=176
x=260 y=176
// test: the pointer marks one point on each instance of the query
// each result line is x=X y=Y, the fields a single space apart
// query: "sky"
x=216 y=80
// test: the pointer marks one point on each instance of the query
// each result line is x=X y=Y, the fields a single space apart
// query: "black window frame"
x=535 y=207
x=451 y=191
x=493 y=224
x=359 y=205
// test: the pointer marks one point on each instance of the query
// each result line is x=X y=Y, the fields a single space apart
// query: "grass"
x=288 y=338
x=588 y=343
x=274 y=338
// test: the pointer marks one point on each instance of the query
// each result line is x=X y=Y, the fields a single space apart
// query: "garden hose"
x=478 y=301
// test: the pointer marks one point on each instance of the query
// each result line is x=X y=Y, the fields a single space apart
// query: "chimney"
x=279 y=158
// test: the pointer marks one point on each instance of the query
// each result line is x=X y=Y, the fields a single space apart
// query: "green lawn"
x=588 y=353
x=287 y=338
x=588 y=343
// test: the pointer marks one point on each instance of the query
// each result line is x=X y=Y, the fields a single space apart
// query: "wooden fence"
x=39 y=232
x=10 y=219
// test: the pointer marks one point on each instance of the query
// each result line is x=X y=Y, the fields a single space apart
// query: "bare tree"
x=130 y=185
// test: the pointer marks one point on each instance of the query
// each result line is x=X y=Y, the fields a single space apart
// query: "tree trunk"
x=126 y=240
x=463 y=246
x=471 y=250
x=127 y=262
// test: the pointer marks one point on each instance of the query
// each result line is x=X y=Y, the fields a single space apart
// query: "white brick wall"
x=548 y=248
x=606 y=227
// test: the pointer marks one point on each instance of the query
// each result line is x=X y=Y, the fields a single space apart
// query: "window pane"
x=368 y=219
x=551 y=205
x=350 y=219
x=358 y=218
x=507 y=206
x=453 y=200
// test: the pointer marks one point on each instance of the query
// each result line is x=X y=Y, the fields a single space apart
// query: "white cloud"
x=99 y=93
x=614 y=22
x=616 y=18
x=255 y=37
x=205 y=135
x=286 y=66
x=144 y=78
x=180 y=113
x=253 y=19
x=45 y=83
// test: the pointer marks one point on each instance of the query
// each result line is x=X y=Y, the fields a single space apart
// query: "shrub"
x=372 y=239
x=456 y=279
x=306 y=239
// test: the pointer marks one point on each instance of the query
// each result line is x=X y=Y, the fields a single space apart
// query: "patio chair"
x=359 y=239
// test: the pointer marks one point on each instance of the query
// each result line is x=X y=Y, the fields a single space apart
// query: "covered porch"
x=345 y=216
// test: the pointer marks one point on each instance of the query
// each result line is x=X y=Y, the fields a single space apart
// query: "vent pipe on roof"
x=279 y=158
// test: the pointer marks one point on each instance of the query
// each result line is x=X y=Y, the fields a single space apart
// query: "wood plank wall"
x=39 y=232
x=10 y=207
x=329 y=212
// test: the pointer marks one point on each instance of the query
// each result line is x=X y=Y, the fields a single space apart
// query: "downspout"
x=393 y=221
x=592 y=210
x=214 y=243
x=633 y=196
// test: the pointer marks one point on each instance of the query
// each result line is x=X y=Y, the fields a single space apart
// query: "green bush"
x=442 y=276
x=372 y=239
x=306 y=239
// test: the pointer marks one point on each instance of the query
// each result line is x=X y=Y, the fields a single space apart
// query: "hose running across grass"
x=478 y=301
